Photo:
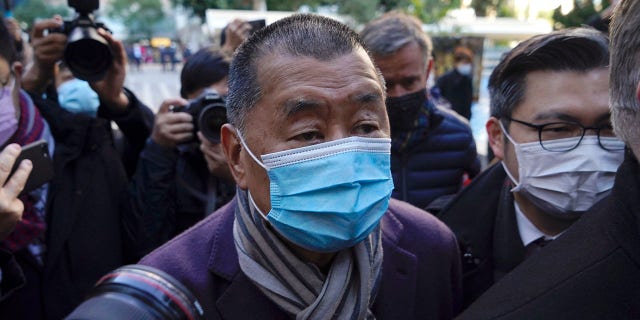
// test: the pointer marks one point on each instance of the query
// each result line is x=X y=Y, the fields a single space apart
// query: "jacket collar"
x=243 y=300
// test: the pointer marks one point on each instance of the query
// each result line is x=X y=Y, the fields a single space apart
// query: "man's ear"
x=232 y=148
x=17 y=69
x=429 y=67
x=496 y=137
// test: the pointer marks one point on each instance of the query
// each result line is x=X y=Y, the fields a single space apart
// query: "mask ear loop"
x=260 y=213
x=244 y=144
x=504 y=166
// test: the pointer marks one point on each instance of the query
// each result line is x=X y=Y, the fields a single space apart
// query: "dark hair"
x=577 y=49
x=299 y=35
x=461 y=53
x=202 y=69
x=7 y=47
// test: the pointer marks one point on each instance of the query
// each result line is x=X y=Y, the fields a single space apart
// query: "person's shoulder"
x=452 y=120
x=447 y=75
x=412 y=226
x=195 y=244
x=484 y=188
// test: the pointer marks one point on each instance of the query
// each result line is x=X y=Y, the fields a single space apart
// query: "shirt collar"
x=528 y=231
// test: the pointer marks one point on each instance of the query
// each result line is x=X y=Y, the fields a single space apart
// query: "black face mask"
x=403 y=110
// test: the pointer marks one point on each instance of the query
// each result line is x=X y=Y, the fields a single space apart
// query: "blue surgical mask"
x=329 y=196
x=77 y=96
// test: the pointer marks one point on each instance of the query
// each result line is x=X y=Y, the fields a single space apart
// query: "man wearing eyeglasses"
x=550 y=127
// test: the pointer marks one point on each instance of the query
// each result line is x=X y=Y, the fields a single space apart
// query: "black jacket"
x=483 y=219
x=591 y=272
x=86 y=234
x=169 y=192
x=458 y=90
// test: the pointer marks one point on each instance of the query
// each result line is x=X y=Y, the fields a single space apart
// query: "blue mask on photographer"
x=329 y=196
x=77 y=96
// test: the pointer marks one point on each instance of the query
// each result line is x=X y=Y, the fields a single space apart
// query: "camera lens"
x=211 y=120
x=87 y=54
x=138 y=292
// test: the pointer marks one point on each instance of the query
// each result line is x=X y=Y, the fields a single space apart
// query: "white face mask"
x=566 y=184
x=465 y=68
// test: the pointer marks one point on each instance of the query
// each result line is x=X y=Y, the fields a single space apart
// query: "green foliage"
x=141 y=18
x=484 y=7
x=199 y=7
x=430 y=11
x=361 y=10
x=30 y=10
x=582 y=11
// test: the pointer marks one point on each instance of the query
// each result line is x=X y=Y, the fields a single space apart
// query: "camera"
x=209 y=114
x=87 y=53
x=138 y=292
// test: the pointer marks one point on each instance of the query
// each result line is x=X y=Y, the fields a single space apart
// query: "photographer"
x=182 y=176
x=72 y=231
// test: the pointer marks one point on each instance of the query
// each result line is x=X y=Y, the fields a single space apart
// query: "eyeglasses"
x=549 y=132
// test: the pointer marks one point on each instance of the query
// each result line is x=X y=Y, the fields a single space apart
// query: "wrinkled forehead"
x=277 y=68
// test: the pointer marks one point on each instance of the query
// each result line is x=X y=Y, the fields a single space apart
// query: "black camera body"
x=209 y=114
x=87 y=53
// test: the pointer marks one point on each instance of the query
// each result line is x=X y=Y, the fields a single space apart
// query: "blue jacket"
x=436 y=165
x=420 y=279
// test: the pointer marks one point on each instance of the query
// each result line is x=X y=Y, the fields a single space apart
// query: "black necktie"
x=536 y=246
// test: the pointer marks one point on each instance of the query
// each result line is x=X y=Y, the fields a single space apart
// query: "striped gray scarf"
x=298 y=287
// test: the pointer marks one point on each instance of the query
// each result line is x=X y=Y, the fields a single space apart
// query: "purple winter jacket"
x=421 y=273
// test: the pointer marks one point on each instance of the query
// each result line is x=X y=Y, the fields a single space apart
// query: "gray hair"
x=299 y=35
x=392 y=31
x=577 y=49
x=624 y=75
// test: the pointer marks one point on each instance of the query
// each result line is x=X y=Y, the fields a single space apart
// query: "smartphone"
x=42 y=172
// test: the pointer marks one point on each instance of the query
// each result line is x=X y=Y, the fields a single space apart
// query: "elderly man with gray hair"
x=432 y=148
x=312 y=232
x=593 y=270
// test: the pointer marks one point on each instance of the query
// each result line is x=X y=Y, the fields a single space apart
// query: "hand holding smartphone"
x=42 y=172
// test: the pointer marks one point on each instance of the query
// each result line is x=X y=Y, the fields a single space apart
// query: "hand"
x=110 y=88
x=215 y=158
x=236 y=32
x=11 y=208
x=14 y=29
x=47 y=50
x=172 y=128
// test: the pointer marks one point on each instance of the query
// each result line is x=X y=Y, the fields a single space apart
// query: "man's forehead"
x=283 y=57
x=278 y=68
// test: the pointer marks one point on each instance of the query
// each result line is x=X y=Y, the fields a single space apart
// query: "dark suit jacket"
x=86 y=236
x=483 y=219
x=592 y=271
x=421 y=271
